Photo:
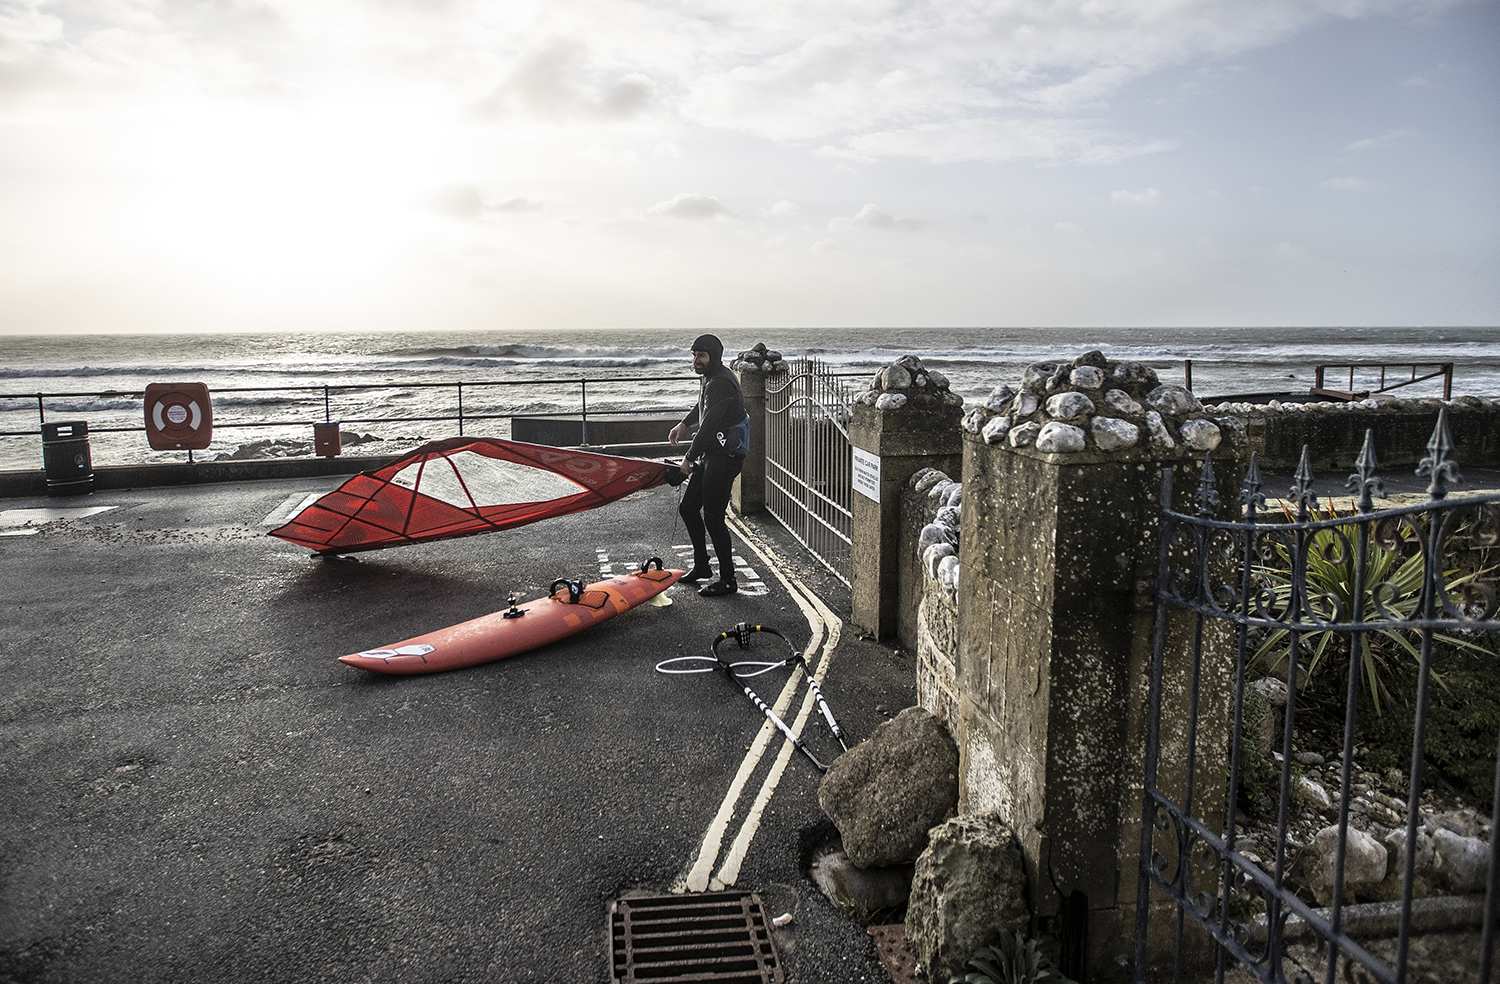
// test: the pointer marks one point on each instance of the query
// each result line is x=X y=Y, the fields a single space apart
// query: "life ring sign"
x=179 y=416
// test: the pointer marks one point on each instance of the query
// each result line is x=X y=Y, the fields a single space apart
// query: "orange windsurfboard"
x=570 y=608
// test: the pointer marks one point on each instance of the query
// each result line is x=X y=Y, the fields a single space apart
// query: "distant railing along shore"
x=329 y=390
x=566 y=397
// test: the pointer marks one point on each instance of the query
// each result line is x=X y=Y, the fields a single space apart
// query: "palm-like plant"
x=1391 y=590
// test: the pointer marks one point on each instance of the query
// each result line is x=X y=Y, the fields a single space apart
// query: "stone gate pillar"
x=753 y=366
x=907 y=421
x=1058 y=548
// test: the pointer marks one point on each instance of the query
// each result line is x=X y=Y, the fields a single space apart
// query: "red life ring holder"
x=179 y=416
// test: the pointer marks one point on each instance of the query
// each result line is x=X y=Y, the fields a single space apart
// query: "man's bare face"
x=700 y=362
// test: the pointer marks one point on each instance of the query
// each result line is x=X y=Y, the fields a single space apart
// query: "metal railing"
x=810 y=462
x=340 y=401
x=1438 y=369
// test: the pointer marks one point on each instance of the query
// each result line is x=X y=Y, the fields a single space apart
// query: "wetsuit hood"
x=711 y=345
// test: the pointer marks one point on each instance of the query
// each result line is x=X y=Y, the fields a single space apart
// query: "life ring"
x=179 y=416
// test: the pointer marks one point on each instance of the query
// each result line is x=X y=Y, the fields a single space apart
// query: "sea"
x=401 y=388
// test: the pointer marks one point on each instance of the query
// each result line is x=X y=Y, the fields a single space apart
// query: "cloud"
x=517 y=205
x=554 y=82
x=781 y=210
x=1042 y=140
x=1348 y=184
x=667 y=149
x=690 y=205
x=1137 y=197
x=960 y=80
x=1373 y=143
x=1429 y=78
x=874 y=217
x=454 y=201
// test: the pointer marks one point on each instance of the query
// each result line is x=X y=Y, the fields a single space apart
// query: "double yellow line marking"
x=825 y=629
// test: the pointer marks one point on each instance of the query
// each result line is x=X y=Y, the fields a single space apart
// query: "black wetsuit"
x=718 y=453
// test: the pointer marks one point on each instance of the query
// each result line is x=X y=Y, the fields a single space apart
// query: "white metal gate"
x=809 y=461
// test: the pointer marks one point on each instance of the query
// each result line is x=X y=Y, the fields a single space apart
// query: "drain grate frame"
x=715 y=936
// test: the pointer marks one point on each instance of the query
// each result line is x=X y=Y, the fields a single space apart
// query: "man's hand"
x=686 y=467
x=674 y=434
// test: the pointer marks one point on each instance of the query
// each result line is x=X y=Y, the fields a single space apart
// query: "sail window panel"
x=490 y=481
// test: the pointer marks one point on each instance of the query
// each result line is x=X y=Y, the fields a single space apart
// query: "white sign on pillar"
x=867 y=474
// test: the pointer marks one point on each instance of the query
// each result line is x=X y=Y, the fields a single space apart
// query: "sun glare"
x=301 y=198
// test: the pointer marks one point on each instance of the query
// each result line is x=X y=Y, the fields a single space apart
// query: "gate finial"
x=1208 y=496
x=1364 y=479
x=1439 y=462
x=1251 y=496
x=1302 y=487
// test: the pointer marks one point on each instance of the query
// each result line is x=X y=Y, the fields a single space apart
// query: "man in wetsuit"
x=712 y=462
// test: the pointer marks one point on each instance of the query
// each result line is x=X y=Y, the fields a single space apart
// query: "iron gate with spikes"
x=1420 y=578
x=810 y=462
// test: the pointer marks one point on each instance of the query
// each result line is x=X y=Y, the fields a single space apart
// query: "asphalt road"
x=196 y=790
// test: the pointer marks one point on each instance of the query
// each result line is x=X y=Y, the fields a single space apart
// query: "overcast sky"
x=192 y=165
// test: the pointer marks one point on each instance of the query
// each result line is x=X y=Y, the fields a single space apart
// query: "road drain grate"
x=720 y=936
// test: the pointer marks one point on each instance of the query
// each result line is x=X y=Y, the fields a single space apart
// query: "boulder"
x=994 y=432
x=1464 y=862
x=1364 y=863
x=1087 y=377
x=1055 y=437
x=1172 y=400
x=1112 y=433
x=968 y=888
x=1023 y=436
x=1000 y=398
x=1120 y=401
x=1161 y=438
x=934 y=555
x=862 y=890
x=895 y=377
x=1424 y=871
x=887 y=792
x=1201 y=435
x=1035 y=376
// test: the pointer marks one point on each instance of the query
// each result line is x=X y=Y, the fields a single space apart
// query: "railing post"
x=890 y=445
x=460 y=409
x=583 y=423
x=749 y=494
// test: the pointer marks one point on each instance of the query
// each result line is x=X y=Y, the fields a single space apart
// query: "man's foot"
x=719 y=588
x=698 y=573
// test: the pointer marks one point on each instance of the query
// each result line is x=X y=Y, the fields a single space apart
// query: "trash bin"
x=66 y=459
x=326 y=440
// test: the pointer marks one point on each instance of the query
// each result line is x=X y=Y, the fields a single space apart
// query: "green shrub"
x=1463 y=721
x=1014 y=960
x=1393 y=575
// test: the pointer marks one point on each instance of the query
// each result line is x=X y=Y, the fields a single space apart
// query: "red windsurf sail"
x=463 y=486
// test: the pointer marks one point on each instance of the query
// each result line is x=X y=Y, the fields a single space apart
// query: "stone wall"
x=1334 y=432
